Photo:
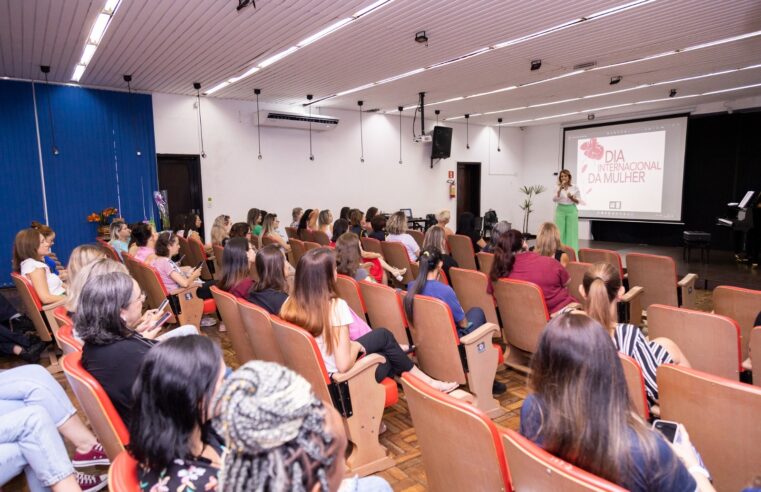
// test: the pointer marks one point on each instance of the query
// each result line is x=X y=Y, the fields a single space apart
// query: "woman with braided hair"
x=280 y=437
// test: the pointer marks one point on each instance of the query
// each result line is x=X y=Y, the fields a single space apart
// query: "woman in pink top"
x=511 y=260
x=145 y=240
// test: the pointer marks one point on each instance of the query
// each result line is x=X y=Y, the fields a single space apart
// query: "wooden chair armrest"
x=53 y=305
x=366 y=363
x=182 y=290
x=688 y=279
x=483 y=333
x=633 y=293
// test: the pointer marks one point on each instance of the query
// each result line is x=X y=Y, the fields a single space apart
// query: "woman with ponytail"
x=511 y=260
x=601 y=289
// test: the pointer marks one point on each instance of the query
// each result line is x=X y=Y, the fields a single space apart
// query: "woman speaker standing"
x=566 y=214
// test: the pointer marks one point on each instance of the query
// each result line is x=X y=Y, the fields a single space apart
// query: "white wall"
x=236 y=180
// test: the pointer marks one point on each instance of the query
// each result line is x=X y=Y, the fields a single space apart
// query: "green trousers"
x=567 y=220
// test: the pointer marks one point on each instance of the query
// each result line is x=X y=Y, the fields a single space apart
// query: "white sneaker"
x=207 y=321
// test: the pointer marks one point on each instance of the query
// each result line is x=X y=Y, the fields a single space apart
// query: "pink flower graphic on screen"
x=584 y=168
x=592 y=149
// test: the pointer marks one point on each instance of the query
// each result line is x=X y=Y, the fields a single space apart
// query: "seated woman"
x=499 y=228
x=285 y=437
x=170 y=426
x=357 y=221
x=326 y=222
x=50 y=259
x=81 y=256
x=436 y=237
x=173 y=276
x=99 y=266
x=296 y=214
x=36 y=408
x=314 y=216
x=397 y=233
x=145 y=241
x=378 y=228
x=178 y=224
x=316 y=307
x=344 y=213
x=601 y=289
x=442 y=219
x=240 y=229
x=29 y=249
x=371 y=212
x=220 y=230
x=348 y=256
x=511 y=260
x=340 y=227
x=271 y=291
x=116 y=335
x=237 y=261
x=466 y=226
x=303 y=224
x=193 y=225
x=580 y=412
x=269 y=229
x=120 y=234
x=548 y=243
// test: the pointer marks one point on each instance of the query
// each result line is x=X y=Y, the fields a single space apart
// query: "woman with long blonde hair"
x=269 y=229
x=220 y=230
x=548 y=243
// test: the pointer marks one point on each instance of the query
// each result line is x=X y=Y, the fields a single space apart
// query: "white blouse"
x=563 y=198
x=55 y=284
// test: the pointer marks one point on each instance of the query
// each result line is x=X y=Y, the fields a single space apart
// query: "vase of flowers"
x=102 y=219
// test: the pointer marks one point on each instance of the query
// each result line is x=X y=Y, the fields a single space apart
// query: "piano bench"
x=697 y=239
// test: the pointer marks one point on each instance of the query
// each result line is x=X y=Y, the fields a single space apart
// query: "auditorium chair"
x=297 y=251
x=41 y=315
x=385 y=310
x=348 y=290
x=219 y=252
x=356 y=395
x=524 y=315
x=321 y=238
x=66 y=340
x=755 y=354
x=742 y=305
x=186 y=307
x=635 y=384
x=184 y=252
x=396 y=255
x=532 y=468
x=470 y=287
x=459 y=444
x=577 y=270
x=110 y=251
x=612 y=258
x=61 y=316
x=291 y=232
x=105 y=421
x=266 y=241
x=441 y=354
x=258 y=327
x=722 y=419
x=418 y=236
x=122 y=474
x=306 y=235
x=310 y=245
x=371 y=244
x=485 y=262
x=657 y=276
x=461 y=249
x=710 y=342
x=569 y=251
x=196 y=255
x=227 y=304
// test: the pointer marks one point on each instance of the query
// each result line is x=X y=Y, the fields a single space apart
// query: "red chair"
x=291 y=232
x=385 y=310
x=590 y=255
x=66 y=340
x=61 y=316
x=371 y=244
x=348 y=290
x=635 y=384
x=41 y=316
x=105 y=421
x=228 y=310
x=742 y=305
x=461 y=248
x=657 y=275
x=197 y=254
x=112 y=253
x=122 y=474
x=321 y=238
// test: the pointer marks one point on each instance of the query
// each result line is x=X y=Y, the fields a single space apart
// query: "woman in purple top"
x=511 y=260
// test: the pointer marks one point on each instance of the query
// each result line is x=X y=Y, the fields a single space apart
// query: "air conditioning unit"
x=298 y=121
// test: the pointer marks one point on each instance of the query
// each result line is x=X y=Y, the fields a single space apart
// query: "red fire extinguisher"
x=452 y=188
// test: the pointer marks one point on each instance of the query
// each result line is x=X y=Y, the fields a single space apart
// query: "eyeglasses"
x=140 y=298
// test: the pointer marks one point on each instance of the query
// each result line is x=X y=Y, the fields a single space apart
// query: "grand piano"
x=739 y=218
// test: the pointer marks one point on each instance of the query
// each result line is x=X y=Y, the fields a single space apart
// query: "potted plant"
x=102 y=218
x=530 y=192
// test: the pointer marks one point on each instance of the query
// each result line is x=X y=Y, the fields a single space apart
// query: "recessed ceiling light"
x=97 y=31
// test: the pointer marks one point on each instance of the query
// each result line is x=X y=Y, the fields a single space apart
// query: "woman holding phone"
x=567 y=196
x=173 y=276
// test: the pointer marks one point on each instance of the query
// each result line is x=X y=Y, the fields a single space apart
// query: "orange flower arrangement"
x=102 y=217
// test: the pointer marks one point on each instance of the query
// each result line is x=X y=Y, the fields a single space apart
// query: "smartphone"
x=163 y=305
x=163 y=319
x=179 y=262
x=200 y=264
x=667 y=428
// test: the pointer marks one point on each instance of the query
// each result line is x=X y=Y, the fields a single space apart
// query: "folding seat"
x=485 y=262
x=112 y=253
x=371 y=244
x=291 y=232
x=61 y=316
x=441 y=354
x=461 y=249
x=635 y=384
x=396 y=255
x=310 y=245
x=306 y=235
x=459 y=444
x=41 y=315
x=258 y=327
x=321 y=238
x=266 y=241
x=418 y=236
x=577 y=270
x=532 y=468
x=219 y=251
x=122 y=474
x=524 y=315
x=657 y=276
x=227 y=304
x=105 y=421
x=612 y=258
x=470 y=287
x=185 y=252
x=297 y=251
x=710 y=342
x=721 y=417
x=755 y=354
x=356 y=395
x=66 y=340
x=348 y=290
x=742 y=305
x=569 y=251
x=196 y=255
x=385 y=310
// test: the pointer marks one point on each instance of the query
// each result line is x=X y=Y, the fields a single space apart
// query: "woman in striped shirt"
x=601 y=289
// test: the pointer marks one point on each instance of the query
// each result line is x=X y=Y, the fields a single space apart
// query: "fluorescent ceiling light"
x=97 y=31
x=302 y=44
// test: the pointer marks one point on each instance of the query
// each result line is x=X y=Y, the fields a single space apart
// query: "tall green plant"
x=530 y=192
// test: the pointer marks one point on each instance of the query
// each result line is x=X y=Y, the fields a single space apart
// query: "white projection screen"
x=628 y=171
